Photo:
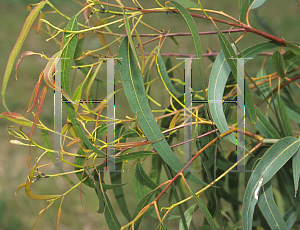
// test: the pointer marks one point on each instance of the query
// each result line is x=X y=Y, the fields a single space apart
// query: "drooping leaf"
x=205 y=211
x=231 y=59
x=69 y=46
x=162 y=72
x=144 y=178
x=296 y=169
x=18 y=45
x=273 y=160
x=264 y=126
x=128 y=31
x=283 y=116
x=254 y=50
x=188 y=215
x=290 y=216
x=217 y=81
x=77 y=54
x=291 y=60
x=278 y=63
x=257 y=3
x=116 y=178
x=139 y=189
x=142 y=203
x=134 y=90
x=294 y=48
x=196 y=39
x=249 y=4
x=269 y=209
x=110 y=216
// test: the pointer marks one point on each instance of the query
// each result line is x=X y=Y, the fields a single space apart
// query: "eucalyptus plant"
x=201 y=118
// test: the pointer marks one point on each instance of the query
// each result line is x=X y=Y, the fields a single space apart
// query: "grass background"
x=19 y=212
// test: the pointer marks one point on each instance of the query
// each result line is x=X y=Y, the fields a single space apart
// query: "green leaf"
x=294 y=48
x=188 y=216
x=273 y=160
x=77 y=54
x=290 y=216
x=196 y=39
x=204 y=209
x=162 y=72
x=144 y=179
x=278 y=63
x=18 y=45
x=143 y=202
x=230 y=56
x=116 y=178
x=249 y=4
x=128 y=31
x=296 y=169
x=284 y=117
x=257 y=3
x=264 y=126
x=170 y=174
x=269 y=209
x=217 y=81
x=69 y=45
x=139 y=189
x=291 y=60
x=254 y=50
x=134 y=90
x=100 y=200
x=90 y=80
x=110 y=216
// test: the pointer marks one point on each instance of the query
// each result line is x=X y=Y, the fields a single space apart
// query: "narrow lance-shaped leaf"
x=249 y=4
x=273 y=160
x=269 y=209
x=18 y=45
x=134 y=90
x=128 y=30
x=217 y=81
x=196 y=39
x=16 y=118
x=116 y=178
x=231 y=59
x=144 y=178
x=283 y=116
x=110 y=216
x=296 y=169
x=204 y=209
x=188 y=215
x=294 y=48
x=69 y=46
x=162 y=72
x=254 y=50
x=264 y=126
x=278 y=63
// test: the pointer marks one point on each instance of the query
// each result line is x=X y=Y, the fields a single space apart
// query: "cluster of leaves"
x=276 y=148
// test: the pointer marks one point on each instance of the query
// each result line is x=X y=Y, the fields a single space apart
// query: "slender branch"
x=240 y=24
x=203 y=55
x=175 y=34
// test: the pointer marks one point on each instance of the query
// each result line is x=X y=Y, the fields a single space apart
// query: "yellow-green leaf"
x=18 y=45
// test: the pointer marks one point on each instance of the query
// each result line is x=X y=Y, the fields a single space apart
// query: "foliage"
x=273 y=145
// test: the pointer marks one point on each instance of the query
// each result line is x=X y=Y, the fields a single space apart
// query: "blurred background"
x=280 y=18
